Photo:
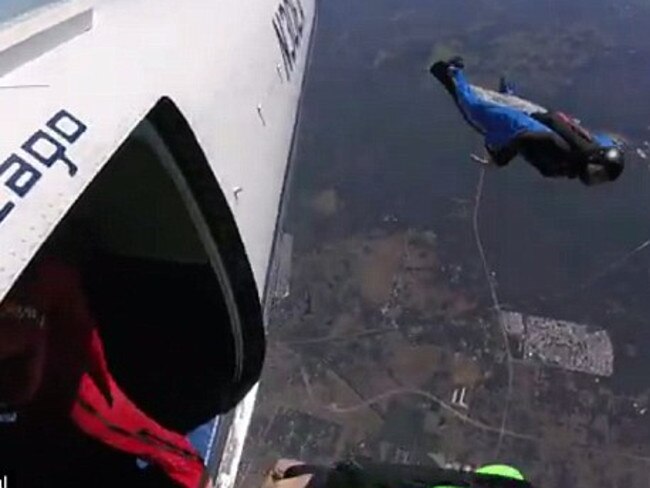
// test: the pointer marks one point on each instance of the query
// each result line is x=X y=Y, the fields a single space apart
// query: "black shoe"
x=440 y=70
x=457 y=62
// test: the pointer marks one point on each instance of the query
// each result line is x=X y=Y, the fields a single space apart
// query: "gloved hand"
x=279 y=478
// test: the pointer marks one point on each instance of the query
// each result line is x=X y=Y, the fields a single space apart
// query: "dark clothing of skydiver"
x=552 y=142
x=363 y=473
x=55 y=376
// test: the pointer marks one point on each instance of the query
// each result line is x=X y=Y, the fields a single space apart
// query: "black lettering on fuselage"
x=23 y=176
x=48 y=151
x=67 y=126
x=19 y=174
x=288 y=24
x=6 y=209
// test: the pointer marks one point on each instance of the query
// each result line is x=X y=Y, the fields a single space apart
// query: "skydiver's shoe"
x=456 y=62
x=441 y=71
x=506 y=87
x=440 y=68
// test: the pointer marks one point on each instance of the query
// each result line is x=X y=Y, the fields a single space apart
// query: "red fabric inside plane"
x=75 y=383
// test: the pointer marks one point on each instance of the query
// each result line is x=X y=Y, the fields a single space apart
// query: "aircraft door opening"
x=122 y=340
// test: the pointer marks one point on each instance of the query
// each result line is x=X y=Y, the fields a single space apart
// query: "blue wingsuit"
x=553 y=142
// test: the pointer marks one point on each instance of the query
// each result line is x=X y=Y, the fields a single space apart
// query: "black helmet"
x=603 y=164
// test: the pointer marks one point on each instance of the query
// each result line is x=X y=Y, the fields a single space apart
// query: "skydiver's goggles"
x=603 y=165
x=379 y=475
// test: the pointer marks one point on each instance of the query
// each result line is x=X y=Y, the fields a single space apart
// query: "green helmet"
x=502 y=470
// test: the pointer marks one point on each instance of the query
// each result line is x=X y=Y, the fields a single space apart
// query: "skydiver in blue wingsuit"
x=554 y=143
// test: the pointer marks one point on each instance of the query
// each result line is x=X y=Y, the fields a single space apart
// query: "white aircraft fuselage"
x=78 y=78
